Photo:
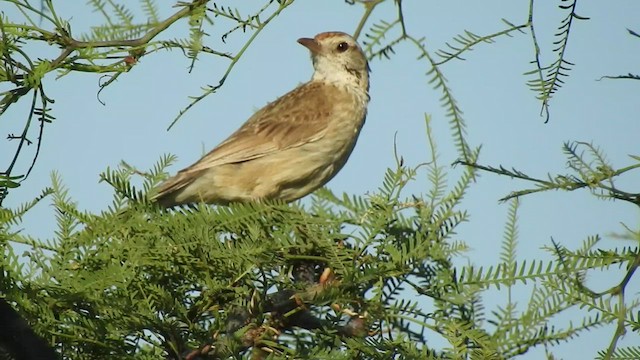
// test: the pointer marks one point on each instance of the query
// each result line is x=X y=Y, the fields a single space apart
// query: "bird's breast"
x=348 y=115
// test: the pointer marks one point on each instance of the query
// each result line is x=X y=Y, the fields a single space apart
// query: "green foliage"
x=590 y=169
x=549 y=78
x=563 y=279
x=138 y=282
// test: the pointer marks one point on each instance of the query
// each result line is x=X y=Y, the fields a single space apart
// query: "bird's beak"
x=310 y=44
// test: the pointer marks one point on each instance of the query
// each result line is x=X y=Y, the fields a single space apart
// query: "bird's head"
x=338 y=58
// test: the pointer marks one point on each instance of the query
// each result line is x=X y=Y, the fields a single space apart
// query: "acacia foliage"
x=138 y=282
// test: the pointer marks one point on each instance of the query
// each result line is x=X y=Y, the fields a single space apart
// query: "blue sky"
x=502 y=115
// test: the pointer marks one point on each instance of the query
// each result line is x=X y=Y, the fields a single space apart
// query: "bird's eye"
x=342 y=47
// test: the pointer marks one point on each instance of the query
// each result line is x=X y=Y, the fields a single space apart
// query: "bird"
x=293 y=145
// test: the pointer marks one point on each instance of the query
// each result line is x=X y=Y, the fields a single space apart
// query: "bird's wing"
x=298 y=117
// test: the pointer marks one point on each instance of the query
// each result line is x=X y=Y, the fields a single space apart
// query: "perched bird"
x=292 y=146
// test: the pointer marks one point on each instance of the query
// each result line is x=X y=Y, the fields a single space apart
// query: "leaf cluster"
x=138 y=282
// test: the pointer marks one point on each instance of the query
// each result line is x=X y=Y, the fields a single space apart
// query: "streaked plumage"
x=293 y=145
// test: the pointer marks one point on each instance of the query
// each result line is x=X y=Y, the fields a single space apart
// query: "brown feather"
x=282 y=124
